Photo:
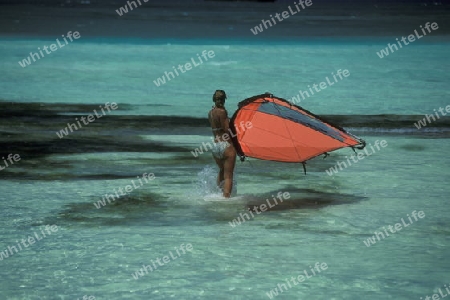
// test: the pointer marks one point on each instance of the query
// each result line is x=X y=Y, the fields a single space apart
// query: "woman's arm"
x=224 y=120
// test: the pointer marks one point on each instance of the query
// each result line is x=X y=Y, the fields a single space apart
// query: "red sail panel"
x=285 y=132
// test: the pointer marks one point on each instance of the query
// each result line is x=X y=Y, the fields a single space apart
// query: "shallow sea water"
x=325 y=220
x=412 y=80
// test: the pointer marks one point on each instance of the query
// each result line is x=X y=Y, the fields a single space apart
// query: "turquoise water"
x=410 y=81
x=325 y=220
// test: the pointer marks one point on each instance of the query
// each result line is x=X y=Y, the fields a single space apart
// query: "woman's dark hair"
x=219 y=95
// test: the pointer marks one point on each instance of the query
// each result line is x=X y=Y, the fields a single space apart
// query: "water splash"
x=205 y=183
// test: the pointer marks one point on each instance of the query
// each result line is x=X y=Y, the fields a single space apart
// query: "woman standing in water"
x=223 y=151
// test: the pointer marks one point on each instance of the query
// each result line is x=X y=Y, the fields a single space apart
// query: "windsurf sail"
x=284 y=132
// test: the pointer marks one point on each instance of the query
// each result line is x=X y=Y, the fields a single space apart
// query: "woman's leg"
x=220 y=164
x=230 y=161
